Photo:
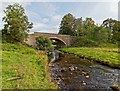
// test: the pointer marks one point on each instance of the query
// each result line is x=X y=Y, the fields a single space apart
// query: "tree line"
x=90 y=32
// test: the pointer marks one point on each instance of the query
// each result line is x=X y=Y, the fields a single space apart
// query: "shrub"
x=43 y=43
x=86 y=42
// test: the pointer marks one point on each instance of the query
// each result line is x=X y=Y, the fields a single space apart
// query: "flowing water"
x=72 y=73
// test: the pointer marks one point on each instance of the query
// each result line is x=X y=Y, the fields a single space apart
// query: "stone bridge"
x=66 y=40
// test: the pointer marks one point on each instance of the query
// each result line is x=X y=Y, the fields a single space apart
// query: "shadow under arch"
x=59 y=40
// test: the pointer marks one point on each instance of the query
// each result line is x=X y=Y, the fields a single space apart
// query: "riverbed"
x=73 y=73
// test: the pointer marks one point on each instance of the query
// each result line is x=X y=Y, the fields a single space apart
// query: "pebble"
x=115 y=88
x=87 y=76
x=84 y=83
x=84 y=73
x=76 y=68
x=71 y=68
x=50 y=65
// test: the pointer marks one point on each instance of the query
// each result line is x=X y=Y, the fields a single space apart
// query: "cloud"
x=99 y=22
x=49 y=8
x=42 y=27
x=114 y=9
x=48 y=18
x=61 y=0
x=24 y=4
x=45 y=20
x=57 y=17
x=101 y=11
x=33 y=15
x=38 y=26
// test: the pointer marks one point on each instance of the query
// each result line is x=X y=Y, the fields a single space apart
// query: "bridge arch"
x=64 y=40
x=58 y=39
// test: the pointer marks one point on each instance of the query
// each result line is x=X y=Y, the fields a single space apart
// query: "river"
x=72 y=73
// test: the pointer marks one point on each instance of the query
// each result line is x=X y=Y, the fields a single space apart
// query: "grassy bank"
x=107 y=56
x=24 y=68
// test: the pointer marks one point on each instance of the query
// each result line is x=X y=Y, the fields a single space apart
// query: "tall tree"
x=78 y=26
x=114 y=27
x=89 y=25
x=67 y=25
x=108 y=23
x=16 y=25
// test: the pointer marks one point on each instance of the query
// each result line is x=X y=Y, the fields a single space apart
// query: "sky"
x=119 y=11
x=46 y=16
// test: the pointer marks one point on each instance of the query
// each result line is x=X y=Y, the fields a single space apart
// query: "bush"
x=43 y=43
x=86 y=42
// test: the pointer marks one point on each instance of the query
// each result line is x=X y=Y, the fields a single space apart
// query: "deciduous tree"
x=66 y=26
x=16 y=25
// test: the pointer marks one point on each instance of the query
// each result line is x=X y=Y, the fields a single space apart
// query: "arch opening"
x=57 y=42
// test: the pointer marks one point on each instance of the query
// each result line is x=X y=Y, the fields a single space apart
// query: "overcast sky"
x=119 y=11
x=46 y=16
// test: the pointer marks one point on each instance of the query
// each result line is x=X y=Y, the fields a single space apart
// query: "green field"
x=24 y=68
x=107 y=56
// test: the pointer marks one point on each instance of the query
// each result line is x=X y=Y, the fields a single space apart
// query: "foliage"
x=89 y=25
x=0 y=36
x=89 y=34
x=66 y=25
x=16 y=25
x=28 y=64
x=100 y=34
x=78 y=26
x=43 y=43
x=85 y=42
x=114 y=29
x=108 y=56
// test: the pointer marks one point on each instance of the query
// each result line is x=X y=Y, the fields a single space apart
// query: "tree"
x=89 y=25
x=108 y=23
x=114 y=27
x=100 y=34
x=16 y=25
x=78 y=26
x=116 y=32
x=43 y=43
x=67 y=25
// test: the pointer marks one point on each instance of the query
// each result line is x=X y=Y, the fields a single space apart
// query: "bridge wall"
x=66 y=39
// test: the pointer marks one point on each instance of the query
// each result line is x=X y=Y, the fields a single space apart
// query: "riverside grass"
x=24 y=68
x=107 y=56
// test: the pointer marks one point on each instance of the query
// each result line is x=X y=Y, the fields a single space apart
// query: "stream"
x=72 y=73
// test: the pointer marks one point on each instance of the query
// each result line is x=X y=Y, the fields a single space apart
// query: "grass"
x=24 y=68
x=107 y=56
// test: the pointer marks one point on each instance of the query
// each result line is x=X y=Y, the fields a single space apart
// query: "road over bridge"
x=66 y=40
